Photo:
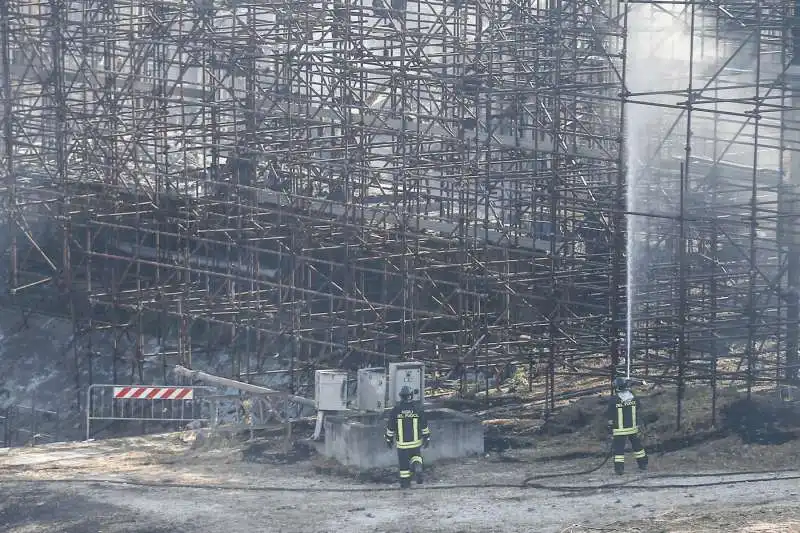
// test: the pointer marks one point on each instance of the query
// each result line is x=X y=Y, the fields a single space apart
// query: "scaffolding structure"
x=712 y=220
x=344 y=183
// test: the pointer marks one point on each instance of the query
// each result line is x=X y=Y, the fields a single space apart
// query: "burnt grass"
x=762 y=420
x=46 y=508
x=378 y=476
x=265 y=452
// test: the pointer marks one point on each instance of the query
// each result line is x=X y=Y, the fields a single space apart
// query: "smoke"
x=667 y=60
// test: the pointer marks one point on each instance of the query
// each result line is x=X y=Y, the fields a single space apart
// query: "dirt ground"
x=161 y=483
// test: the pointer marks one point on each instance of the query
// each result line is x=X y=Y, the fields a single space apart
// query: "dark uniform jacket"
x=622 y=413
x=407 y=425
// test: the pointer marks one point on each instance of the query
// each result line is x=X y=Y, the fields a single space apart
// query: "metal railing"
x=143 y=403
x=27 y=425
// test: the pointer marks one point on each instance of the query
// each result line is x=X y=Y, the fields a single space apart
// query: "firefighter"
x=622 y=422
x=408 y=428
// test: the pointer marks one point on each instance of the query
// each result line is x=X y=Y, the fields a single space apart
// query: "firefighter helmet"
x=405 y=393
x=620 y=384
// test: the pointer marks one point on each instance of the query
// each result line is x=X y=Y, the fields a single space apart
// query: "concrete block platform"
x=357 y=440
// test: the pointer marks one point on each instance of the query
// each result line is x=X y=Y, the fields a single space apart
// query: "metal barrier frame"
x=38 y=418
x=4 y=420
x=17 y=420
x=151 y=403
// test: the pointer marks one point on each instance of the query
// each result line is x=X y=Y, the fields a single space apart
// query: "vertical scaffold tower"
x=712 y=251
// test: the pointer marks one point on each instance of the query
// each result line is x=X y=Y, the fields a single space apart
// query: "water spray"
x=628 y=353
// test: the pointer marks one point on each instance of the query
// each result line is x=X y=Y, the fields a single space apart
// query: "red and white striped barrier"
x=153 y=393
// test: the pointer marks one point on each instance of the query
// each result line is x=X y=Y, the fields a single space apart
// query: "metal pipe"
x=232 y=383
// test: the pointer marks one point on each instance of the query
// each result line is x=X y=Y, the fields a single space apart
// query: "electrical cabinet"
x=409 y=374
x=330 y=390
x=371 y=395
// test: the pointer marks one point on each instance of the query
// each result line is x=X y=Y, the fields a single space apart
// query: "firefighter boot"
x=642 y=462
x=619 y=468
x=416 y=468
x=405 y=483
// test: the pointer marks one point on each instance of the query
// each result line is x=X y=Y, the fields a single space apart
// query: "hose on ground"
x=527 y=484
x=527 y=480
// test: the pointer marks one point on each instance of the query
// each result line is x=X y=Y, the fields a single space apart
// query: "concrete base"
x=357 y=440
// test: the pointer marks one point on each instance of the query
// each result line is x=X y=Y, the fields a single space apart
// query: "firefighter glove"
x=427 y=442
x=388 y=443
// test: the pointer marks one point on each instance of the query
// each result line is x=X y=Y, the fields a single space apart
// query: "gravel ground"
x=155 y=485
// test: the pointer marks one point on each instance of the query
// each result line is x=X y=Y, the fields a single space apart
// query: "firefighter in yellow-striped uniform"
x=407 y=428
x=622 y=413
